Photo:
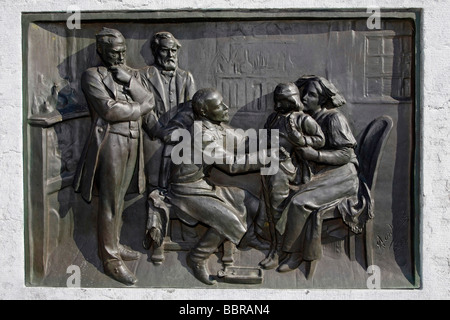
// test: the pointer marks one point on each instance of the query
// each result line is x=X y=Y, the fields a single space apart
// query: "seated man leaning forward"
x=223 y=209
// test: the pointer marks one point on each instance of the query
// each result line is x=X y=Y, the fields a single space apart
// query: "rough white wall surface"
x=435 y=192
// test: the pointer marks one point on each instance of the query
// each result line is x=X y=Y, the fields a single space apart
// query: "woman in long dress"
x=334 y=178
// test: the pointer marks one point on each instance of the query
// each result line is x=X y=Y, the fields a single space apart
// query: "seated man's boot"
x=128 y=254
x=200 y=253
x=200 y=270
x=117 y=270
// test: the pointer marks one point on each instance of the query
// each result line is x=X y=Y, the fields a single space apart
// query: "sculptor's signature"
x=382 y=241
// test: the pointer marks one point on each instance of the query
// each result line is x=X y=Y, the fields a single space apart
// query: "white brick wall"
x=435 y=228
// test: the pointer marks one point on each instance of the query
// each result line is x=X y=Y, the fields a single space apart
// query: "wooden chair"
x=369 y=151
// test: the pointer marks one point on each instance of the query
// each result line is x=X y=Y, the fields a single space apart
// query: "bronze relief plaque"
x=222 y=149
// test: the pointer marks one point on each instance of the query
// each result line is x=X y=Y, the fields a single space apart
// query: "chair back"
x=370 y=148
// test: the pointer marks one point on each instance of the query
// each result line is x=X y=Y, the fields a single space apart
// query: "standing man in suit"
x=117 y=101
x=173 y=89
